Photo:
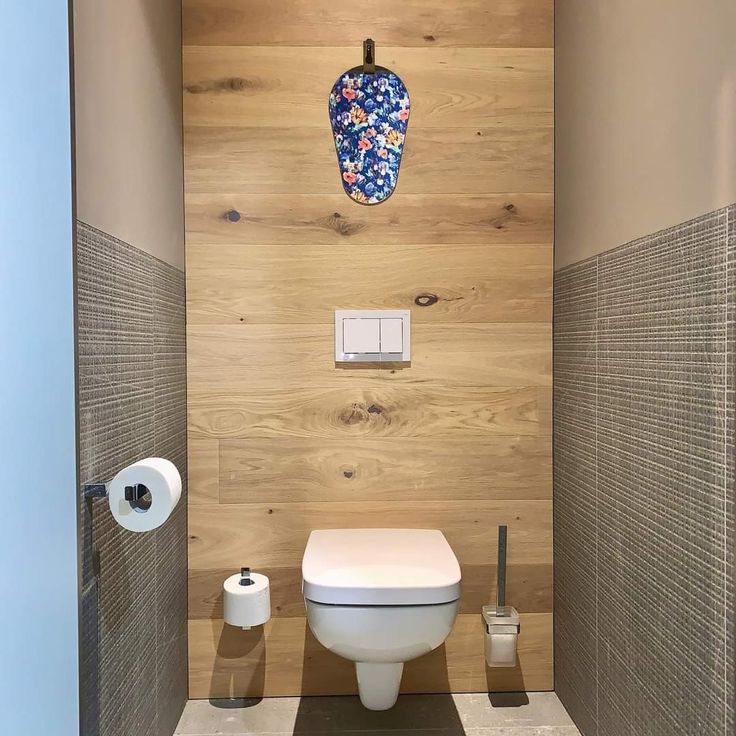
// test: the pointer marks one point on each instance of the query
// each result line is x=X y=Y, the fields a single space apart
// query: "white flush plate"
x=372 y=335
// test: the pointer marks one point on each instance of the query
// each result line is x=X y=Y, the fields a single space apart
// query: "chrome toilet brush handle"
x=501 y=573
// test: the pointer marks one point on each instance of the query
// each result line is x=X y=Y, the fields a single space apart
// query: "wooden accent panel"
x=287 y=87
x=257 y=161
x=296 y=470
x=247 y=284
x=306 y=219
x=284 y=658
x=502 y=23
x=283 y=441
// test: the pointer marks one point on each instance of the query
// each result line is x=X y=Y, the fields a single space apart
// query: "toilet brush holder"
x=501 y=621
x=501 y=636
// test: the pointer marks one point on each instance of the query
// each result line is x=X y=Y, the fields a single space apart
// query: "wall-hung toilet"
x=380 y=597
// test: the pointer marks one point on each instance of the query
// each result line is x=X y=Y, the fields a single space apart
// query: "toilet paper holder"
x=141 y=496
x=245 y=578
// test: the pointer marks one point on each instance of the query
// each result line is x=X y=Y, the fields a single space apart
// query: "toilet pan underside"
x=381 y=633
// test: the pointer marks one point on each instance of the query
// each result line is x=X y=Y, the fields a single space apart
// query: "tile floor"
x=510 y=714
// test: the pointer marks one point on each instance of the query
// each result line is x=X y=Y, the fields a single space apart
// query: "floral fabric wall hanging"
x=369 y=113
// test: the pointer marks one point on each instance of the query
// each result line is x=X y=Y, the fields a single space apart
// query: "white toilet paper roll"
x=247 y=605
x=163 y=482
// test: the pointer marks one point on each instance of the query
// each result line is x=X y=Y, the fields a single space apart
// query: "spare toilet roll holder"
x=248 y=608
x=245 y=578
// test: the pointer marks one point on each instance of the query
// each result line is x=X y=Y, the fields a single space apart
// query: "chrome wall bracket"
x=133 y=494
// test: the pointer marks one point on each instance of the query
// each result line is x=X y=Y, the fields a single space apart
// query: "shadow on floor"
x=508 y=700
x=324 y=671
x=338 y=714
x=240 y=668
x=234 y=703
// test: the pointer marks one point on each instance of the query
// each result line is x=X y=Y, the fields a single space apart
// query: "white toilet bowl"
x=380 y=597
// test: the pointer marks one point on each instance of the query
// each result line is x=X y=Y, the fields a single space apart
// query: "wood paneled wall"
x=281 y=440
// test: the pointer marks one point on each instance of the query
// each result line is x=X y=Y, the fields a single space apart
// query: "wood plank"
x=283 y=658
x=449 y=87
x=529 y=588
x=203 y=471
x=293 y=160
x=385 y=411
x=544 y=402
x=222 y=357
x=245 y=284
x=459 y=666
x=295 y=470
x=266 y=661
x=275 y=535
x=306 y=219
x=502 y=23
x=205 y=591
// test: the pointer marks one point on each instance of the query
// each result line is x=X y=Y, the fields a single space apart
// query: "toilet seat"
x=380 y=567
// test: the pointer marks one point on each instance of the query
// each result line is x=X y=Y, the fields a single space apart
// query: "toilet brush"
x=501 y=621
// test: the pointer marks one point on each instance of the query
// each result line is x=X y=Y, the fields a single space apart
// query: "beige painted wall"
x=127 y=69
x=645 y=118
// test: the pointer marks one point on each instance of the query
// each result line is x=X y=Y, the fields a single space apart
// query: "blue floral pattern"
x=369 y=115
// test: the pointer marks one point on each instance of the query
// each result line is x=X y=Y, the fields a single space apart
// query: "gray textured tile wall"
x=575 y=500
x=731 y=470
x=644 y=484
x=132 y=404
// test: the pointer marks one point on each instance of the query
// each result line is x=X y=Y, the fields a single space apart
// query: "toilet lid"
x=380 y=567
